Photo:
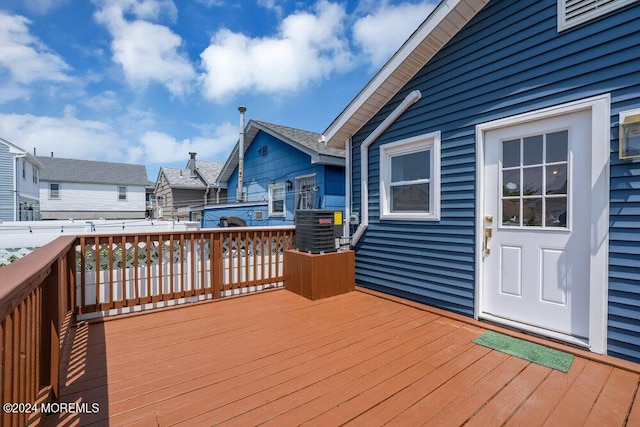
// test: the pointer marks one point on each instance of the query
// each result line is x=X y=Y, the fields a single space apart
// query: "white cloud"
x=382 y=32
x=271 y=5
x=160 y=148
x=70 y=137
x=307 y=48
x=42 y=7
x=147 y=51
x=211 y=3
x=25 y=59
x=66 y=136
x=102 y=101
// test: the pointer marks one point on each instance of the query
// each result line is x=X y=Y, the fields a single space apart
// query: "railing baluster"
x=83 y=274
x=172 y=272
x=123 y=260
x=98 y=269
x=22 y=384
x=7 y=363
x=182 y=266
x=160 y=269
x=111 y=273
x=192 y=262
x=15 y=386
x=38 y=308
x=254 y=257
x=148 y=259
x=246 y=280
x=31 y=351
x=201 y=288
x=229 y=239
x=217 y=266
x=136 y=275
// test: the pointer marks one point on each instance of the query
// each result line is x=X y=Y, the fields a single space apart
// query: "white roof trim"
x=441 y=25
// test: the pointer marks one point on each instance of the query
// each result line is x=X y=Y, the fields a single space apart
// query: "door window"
x=534 y=181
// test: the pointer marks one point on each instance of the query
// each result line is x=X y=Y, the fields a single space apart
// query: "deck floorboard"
x=275 y=358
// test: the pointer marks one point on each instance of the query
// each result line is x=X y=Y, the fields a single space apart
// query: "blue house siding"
x=507 y=60
x=334 y=190
x=7 y=178
x=624 y=249
x=281 y=162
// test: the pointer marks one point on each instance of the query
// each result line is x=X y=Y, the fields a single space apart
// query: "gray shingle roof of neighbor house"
x=182 y=178
x=91 y=171
x=308 y=142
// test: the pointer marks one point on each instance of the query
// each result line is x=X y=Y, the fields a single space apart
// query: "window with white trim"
x=575 y=12
x=122 y=193
x=277 y=198
x=54 y=190
x=410 y=178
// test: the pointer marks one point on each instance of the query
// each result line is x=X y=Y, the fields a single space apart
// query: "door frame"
x=600 y=109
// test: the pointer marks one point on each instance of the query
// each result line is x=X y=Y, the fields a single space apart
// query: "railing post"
x=50 y=347
x=71 y=281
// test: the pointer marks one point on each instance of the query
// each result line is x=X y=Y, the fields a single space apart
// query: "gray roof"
x=305 y=141
x=182 y=178
x=310 y=140
x=209 y=170
x=91 y=171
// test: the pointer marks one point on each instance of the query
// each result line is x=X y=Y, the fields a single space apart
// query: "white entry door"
x=536 y=225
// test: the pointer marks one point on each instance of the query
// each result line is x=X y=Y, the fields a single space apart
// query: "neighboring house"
x=285 y=169
x=87 y=189
x=499 y=190
x=177 y=190
x=150 y=200
x=19 y=178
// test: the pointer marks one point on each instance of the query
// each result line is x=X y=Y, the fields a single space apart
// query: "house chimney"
x=34 y=151
x=192 y=163
x=52 y=154
x=239 y=195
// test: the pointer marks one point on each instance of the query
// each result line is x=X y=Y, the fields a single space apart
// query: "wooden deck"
x=277 y=359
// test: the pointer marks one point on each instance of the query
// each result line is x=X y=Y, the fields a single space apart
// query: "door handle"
x=487 y=236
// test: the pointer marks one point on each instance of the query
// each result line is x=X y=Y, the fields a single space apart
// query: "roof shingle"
x=91 y=171
x=182 y=178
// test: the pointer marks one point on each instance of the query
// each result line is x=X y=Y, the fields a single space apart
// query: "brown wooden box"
x=316 y=276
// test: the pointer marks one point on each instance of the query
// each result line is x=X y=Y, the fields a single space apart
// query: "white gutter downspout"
x=347 y=186
x=408 y=101
x=239 y=195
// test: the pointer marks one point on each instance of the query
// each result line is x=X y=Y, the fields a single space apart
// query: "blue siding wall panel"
x=281 y=163
x=7 y=163
x=508 y=60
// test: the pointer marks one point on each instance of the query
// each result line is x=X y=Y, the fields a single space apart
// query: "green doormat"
x=526 y=350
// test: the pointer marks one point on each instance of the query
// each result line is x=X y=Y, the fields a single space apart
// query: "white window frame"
x=598 y=8
x=272 y=188
x=35 y=174
x=119 y=194
x=429 y=141
x=57 y=192
x=298 y=191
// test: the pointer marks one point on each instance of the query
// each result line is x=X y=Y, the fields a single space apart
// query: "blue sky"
x=147 y=81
